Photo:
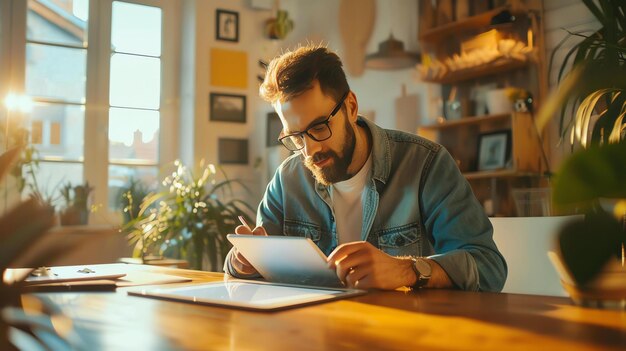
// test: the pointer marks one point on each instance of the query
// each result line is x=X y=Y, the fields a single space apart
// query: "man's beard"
x=338 y=170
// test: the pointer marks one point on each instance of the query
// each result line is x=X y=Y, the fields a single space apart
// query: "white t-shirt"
x=348 y=204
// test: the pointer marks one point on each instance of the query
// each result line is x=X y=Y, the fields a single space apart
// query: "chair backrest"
x=524 y=242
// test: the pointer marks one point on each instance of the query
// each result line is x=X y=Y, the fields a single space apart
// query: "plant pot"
x=74 y=216
x=498 y=102
x=590 y=257
x=278 y=27
x=607 y=290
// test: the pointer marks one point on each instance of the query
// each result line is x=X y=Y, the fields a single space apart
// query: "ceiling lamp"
x=391 y=55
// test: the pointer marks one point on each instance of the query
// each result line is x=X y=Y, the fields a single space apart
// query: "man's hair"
x=293 y=73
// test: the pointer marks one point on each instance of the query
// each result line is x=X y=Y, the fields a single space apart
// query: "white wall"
x=199 y=136
x=318 y=21
x=315 y=21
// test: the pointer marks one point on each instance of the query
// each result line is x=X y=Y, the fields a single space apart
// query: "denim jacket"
x=417 y=203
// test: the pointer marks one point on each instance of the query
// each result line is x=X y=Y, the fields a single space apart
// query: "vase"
x=74 y=216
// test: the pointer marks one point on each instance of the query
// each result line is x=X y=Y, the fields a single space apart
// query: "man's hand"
x=239 y=262
x=361 y=265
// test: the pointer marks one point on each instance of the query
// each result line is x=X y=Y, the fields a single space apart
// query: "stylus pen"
x=243 y=221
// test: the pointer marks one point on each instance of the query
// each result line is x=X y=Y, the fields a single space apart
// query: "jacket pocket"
x=298 y=228
x=400 y=241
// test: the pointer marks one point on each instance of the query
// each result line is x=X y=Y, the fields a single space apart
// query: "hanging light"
x=391 y=55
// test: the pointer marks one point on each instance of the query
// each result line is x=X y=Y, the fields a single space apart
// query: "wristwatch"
x=422 y=270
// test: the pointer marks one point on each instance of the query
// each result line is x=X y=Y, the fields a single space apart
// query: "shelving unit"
x=497 y=67
x=461 y=136
x=442 y=32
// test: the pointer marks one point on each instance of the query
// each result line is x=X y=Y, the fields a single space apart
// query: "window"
x=134 y=96
x=55 y=78
x=101 y=79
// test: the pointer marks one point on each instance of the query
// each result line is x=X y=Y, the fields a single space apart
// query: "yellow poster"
x=229 y=68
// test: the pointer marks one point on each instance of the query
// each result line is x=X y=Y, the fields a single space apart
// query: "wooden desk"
x=378 y=321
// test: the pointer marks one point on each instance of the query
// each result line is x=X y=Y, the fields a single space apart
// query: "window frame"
x=96 y=147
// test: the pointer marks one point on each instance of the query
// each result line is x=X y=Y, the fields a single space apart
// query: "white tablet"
x=250 y=295
x=286 y=259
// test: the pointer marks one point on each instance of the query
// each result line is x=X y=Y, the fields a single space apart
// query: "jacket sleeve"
x=459 y=229
x=269 y=216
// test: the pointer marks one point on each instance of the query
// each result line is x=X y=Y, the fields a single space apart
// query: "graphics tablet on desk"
x=286 y=259
x=249 y=295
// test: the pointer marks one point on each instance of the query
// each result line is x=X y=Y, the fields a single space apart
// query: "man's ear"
x=352 y=106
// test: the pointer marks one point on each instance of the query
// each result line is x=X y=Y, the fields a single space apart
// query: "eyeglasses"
x=319 y=131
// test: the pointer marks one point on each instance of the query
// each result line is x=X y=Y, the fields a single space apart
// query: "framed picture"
x=227 y=25
x=232 y=151
x=227 y=108
x=274 y=127
x=494 y=150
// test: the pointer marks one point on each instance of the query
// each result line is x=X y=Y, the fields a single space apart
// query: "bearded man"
x=388 y=208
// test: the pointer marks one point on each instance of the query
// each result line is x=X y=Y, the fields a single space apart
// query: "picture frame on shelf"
x=494 y=150
x=227 y=108
x=227 y=25
x=232 y=151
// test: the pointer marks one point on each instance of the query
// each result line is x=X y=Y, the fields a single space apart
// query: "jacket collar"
x=381 y=152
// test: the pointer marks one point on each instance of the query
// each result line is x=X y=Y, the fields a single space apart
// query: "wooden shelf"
x=491 y=69
x=466 y=121
x=475 y=22
x=500 y=173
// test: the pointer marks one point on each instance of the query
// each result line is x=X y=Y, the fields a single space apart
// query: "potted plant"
x=278 y=27
x=76 y=198
x=591 y=98
x=190 y=218
x=131 y=197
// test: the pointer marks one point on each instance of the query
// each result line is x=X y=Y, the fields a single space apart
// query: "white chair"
x=524 y=242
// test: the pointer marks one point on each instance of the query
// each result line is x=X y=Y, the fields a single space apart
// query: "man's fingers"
x=355 y=259
x=365 y=282
x=355 y=276
x=239 y=257
x=344 y=250
x=242 y=229
x=345 y=265
x=348 y=274
x=259 y=231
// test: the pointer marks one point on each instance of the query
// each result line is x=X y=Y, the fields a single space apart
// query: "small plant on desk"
x=76 y=211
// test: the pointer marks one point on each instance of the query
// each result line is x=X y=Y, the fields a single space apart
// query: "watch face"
x=423 y=267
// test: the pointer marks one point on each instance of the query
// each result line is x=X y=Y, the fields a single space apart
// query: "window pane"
x=135 y=81
x=57 y=130
x=58 y=22
x=136 y=29
x=51 y=177
x=133 y=135
x=119 y=180
x=56 y=72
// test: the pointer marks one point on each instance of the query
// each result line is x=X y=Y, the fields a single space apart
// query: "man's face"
x=329 y=159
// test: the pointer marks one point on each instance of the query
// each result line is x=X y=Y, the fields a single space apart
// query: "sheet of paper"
x=64 y=274
x=145 y=278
